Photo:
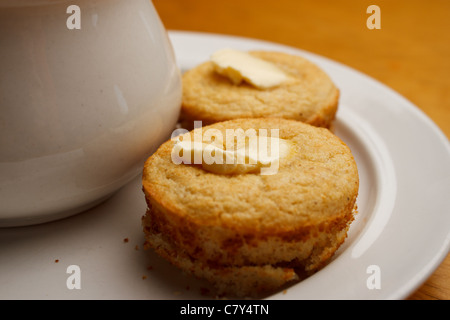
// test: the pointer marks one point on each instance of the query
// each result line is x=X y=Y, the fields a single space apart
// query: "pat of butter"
x=240 y=66
x=259 y=155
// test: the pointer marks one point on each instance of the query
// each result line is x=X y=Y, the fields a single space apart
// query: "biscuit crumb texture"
x=250 y=234
x=308 y=96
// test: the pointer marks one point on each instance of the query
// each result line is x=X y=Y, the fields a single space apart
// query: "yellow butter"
x=240 y=66
x=260 y=155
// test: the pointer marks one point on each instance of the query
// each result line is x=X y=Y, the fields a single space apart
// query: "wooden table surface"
x=410 y=53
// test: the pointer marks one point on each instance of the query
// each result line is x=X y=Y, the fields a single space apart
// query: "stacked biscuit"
x=246 y=231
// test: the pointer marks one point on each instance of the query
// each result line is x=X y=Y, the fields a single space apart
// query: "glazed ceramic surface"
x=81 y=109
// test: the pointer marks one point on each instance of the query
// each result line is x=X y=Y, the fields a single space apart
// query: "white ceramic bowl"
x=81 y=109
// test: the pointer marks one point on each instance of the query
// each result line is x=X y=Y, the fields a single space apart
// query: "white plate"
x=402 y=227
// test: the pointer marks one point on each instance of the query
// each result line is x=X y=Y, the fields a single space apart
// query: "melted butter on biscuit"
x=240 y=66
x=257 y=154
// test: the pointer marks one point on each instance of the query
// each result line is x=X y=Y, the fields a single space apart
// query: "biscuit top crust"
x=314 y=184
x=309 y=93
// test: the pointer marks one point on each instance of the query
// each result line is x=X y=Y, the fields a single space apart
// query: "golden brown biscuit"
x=310 y=96
x=251 y=233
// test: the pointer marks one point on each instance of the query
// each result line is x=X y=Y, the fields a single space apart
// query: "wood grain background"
x=410 y=53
